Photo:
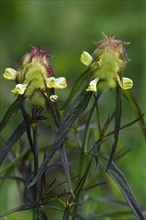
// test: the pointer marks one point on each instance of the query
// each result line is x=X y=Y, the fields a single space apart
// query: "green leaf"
x=66 y=167
x=18 y=132
x=9 y=114
x=78 y=106
x=43 y=216
x=27 y=125
x=109 y=201
x=12 y=164
x=136 y=109
x=122 y=183
x=83 y=179
x=108 y=214
x=76 y=87
x=118 y=114
x=20 y=208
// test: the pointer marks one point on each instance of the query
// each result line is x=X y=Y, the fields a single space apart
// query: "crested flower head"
x=107 y=64
x=35 y=77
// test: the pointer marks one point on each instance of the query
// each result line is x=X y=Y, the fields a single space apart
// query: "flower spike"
x=35 y=77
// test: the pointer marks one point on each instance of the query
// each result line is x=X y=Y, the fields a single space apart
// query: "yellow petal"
x=19 y=89
x=127 y=83
x=10 y=74
x=92 y=85
x=53 y=98
x=59 y=83
x=86 y=58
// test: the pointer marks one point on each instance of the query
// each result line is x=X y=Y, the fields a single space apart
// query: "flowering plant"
x=73 y=131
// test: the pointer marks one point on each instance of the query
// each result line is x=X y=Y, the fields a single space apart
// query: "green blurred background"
x=65 y=29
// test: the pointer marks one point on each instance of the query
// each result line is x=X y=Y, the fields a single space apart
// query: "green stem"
x=84 y=150
x=66 y=214
x=36 y=166
x=85 y=138
x=35 y=131
x=27 y=125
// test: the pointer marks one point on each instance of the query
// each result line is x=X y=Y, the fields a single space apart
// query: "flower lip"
x=86 y=58
x=19 y=89
x=92 y=85
x=10 y=74
x=125 y=83
x=59 y=83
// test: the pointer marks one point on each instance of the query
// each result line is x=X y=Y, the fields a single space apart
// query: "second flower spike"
x=106 y=65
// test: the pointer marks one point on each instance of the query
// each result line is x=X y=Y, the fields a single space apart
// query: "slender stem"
x=84 y=150
x=27 y=125
x=66 y=167
x=66 y=214
x=85 y=138
x=36 y=195
x=43 y=178
x=36 y=190
x=98 y=117
x=118 y=115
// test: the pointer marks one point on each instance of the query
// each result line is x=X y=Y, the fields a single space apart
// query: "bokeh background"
x=65 y=29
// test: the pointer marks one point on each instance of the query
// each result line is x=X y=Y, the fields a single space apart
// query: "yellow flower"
x=92 y=85
x=86 y=58
x=10 y=74
x=59 y=83
x=19 y=89
x=35 y=77
x=53 y=98
x=125 y=83
x=106 y=65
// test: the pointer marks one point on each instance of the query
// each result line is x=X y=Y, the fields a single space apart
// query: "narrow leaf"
x=110 y=214
x=10 y=112
x=136 y=109
x=27 y=125
x=82 y=181
x=125 y=126
x=117 y=125
x=66 y=167
x=18 y=132
x=122 y=183
x=20 y=208
x=109 y=201
x=79 y=105
x=91 y=187
x=77 y=86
